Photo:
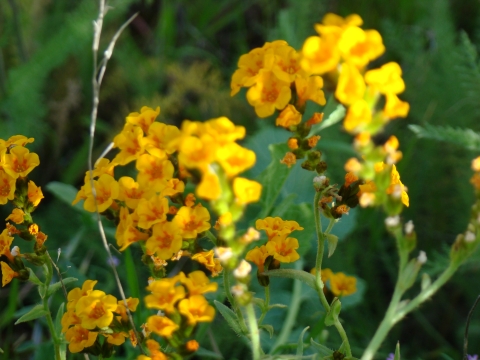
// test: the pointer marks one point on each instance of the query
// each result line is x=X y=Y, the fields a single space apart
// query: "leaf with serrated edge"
x=300 y=275
x=54 y=287
x=332 y=243
x=35 y=313
x=229 y=316
x=322 y=349
x=268 y=328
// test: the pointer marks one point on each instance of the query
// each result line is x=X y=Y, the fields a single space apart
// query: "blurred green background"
x=180 y=55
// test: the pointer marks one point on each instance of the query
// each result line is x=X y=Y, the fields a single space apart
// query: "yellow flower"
x=198 y=283
x=174 y=186
x=359 y=46
x=121 y=310
x=292 y=143
x=18 y=140
x=397 y=185
x=268 y=93
x=319 y=55
x=16 y=216
x=209 y=188
x=33 y=229
x=7 y=187
x=222 y=130
x=154 y=172
x=313 y=140
x=333 y=24
x=192 y=345
x=155 y=351
x=144 y=119
x=283 y=249
x=189 y=200
x=277 y=226
x=197 y=152
x=289 y=159
x=289 y=117
x=310 y=88
x=249 y=66
x=192 y=221
x=164 y=294
x=351 y=86
x=116 y=338
x=20 y=162
x=246 y=191
x=394 y=107
x=129 y=141
x=96 y=309
x=350 y=178
x=387 y=79
x=196 y=309
x=152 y=211
x=162 y=325
x=258 y=255
x=7 y=273
x=75 y=294
x=342 y=285
x=284 y=62
x=359 y=116
x=34 y=193
x=166 y=240
x=235 y=159
x=127 y=232
x=5 y=243
x=315 y=119
x=131 y=192
x=79 y=338
x=207 y=259
x=69 y=319
x=159 y=137
x=476 y=164
x=106 y=189
x=102 y=166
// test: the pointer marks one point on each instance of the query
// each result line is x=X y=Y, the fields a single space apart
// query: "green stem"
x=51 y=326
x=318 y=267
x=254 y=332
x=266 y=305
x=393 y=315
x=292 y=313
x=236 y=308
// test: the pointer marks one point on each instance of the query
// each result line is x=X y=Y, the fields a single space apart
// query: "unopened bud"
x=243 y=270
x=320 y=182
x=224 y=254
x=15 y=251
x=392 y=221
x=422 y=257
x=409 y=227
x=469 y=237
x=238 y=290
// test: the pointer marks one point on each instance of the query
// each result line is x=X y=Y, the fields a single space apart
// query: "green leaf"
x=343 y=348
x=332 y=243
x=258 y=302
x=229 y=316
x=426 y=281
x=332 y=314
x=273 y=178
x=207 y=354
x=58 y=320
x=301 y=275
x=268 y=328
x=336 y=116
x=42 y=289
x=277 y=306
x=35 y=313
x=466 y=138
x=54 y=287
x=397 y=352
x=300 y=343
x=64 y=192
x=33 y=278
x=321 y=349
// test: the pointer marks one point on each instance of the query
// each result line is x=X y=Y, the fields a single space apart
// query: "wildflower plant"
x=180 y=194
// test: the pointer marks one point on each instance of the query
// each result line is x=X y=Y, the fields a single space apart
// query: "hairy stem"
x=231 y=299
x=51 y=326
x=254 y=332
x=266 y=305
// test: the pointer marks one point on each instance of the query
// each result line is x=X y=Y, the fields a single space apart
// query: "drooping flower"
x=16 y=216
x=34 y=193
x=394 y=107
x=258 y=255
x=7 y=273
